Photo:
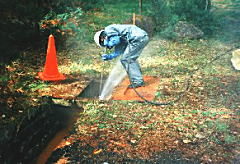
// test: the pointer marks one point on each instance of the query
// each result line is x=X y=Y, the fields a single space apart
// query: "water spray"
x=102 y=71
x=115 y=77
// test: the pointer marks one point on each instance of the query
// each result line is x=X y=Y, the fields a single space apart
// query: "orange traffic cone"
x=50 y=72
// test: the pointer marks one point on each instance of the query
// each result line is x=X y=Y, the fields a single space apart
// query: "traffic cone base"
x=50 y=72
x=58 y=77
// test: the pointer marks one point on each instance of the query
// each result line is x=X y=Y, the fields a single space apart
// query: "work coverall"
x=129 y=41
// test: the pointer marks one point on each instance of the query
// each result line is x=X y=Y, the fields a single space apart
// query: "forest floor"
x=202 y=127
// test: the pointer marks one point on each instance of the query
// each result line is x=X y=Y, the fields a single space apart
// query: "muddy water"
x=55 y=142
x=34 y=133
x=91 y=91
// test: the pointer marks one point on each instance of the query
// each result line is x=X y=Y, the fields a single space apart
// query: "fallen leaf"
x=63 y=160
x=133 y=141
x=186 y=141
x=118 y=144
x=97 y=151
x=67 y=143
x=35 y=100
x=20 y=90
x=225 y=116
x=199 y=136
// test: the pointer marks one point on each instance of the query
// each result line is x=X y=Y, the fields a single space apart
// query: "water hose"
x=187 y=81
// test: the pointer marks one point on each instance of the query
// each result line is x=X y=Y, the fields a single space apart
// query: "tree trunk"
x=140 y=6
x=208 y=4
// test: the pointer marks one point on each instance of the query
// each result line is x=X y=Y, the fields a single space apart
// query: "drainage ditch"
x=25 y=142
x=93 y=90
x=36 y=138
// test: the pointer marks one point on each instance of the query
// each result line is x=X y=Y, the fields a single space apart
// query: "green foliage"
x=86 y=5
x=209 y=114
x=168 y=32
x=196 y=11
x=228 y=138
x=91 y=4
x=64 y=24
x=4 y=79
x=36 y=86
x=19 y=25
x=167 y=13
x=222 y=126
x=190 y=10
x=161 y=13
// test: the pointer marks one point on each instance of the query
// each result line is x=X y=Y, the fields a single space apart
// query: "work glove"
x=106 y=57
x=110 y=56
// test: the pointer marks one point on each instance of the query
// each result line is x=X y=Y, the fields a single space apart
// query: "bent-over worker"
x=128 y=41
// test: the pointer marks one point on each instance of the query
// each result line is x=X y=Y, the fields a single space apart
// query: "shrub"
x=19 y=27
x=20 y=19
x=194 y=11
x=161 y=13
x=87 y=5
x=62 y=25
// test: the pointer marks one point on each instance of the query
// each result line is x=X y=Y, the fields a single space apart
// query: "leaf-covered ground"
x=203 y=126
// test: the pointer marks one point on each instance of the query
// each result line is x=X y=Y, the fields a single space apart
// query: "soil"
x=91 y=143
x=102 y=147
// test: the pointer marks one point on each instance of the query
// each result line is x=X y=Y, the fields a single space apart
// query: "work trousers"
x=129 y=58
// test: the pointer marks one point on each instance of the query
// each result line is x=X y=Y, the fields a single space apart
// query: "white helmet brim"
x=97 y=37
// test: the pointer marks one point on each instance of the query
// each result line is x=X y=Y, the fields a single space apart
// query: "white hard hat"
x=236 y=59
x=96 y=37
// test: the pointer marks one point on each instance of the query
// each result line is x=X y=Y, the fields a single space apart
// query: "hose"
x=186 y=81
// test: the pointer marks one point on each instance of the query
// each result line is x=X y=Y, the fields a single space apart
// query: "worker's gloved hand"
x=110 y=56
x=106 y=57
